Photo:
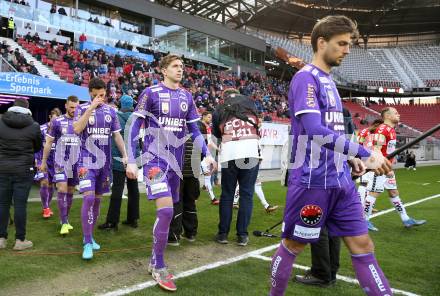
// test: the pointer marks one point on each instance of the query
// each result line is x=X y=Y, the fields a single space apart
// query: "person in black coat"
x=20 y=138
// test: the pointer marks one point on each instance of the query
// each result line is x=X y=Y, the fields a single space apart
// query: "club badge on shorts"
x=82 y=173
x=311 y=214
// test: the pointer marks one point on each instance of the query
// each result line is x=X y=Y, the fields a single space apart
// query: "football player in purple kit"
x=45 y=178
x=320 y=190
x=95 y=122
x=67 y=142
x=166 y=110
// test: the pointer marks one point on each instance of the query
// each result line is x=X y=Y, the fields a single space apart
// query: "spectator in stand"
x=62 y=11
x=32 y=69
x=96 y=20
x=118 y=64
x=77 y=77
x=107 y=23
x=28 y=37
x=53 y=8
x=82 y=38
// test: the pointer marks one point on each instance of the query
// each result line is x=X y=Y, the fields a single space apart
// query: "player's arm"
x=131 y=133
x=81 y=120
x=119 y=142
x=46 y=152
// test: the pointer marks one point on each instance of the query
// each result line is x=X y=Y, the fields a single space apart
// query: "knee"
x=362 y=245
x=394 y=193
x=165 y=213
x=293 y=246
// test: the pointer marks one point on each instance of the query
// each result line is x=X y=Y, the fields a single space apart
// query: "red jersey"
x=365 y=138
x=385 y=138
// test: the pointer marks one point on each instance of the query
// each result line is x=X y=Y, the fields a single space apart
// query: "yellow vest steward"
x=10 y=24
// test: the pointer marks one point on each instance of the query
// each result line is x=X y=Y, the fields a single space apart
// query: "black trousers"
x=114 y=208
x=14 y=188
x=185 y=211
x=325 y=256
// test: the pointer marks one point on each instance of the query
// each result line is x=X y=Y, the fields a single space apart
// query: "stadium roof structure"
x=297 y=17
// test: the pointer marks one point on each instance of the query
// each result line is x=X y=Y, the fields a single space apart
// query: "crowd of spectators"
x=130 y=76
x=17 y=59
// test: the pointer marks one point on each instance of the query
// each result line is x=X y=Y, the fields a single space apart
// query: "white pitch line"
x=424 y=184
x=406 y=205
x=256 y=254
x=339 y=277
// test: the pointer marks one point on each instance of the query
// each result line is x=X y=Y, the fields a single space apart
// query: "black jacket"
x=20 y=138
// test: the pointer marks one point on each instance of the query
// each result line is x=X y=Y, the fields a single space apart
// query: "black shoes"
x=309 y=279
x=133 y=224
x=108 y=226
x=221 y=238
x=242 y=240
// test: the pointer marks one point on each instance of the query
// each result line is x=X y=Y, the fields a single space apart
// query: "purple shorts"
x=97 y=181
x=308 y=210
x=161 y=183
x=62 y=175
x=48 y=175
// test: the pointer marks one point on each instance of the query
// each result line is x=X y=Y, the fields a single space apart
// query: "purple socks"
x=281 y=269
x=87 y=217
x=96 y=208
x=44 y=195
x=370 y=276
x=62 y=206
x=69 y=197
x=160 y=236
x=50 y=196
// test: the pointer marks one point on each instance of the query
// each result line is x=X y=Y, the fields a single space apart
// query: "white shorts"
x=380 y=183
x=366 y=178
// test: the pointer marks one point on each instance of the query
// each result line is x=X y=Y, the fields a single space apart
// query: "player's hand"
x=97 y=101
x=210 y=163
x=131 y=171
x=124 y=161
x=43 y=167
x=358 y=168
x=378 y=163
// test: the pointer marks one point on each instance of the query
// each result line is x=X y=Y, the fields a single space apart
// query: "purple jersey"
x=313 y=91
x=96 y=137
x=67 y=142
x=39 y=154
x=169 y=111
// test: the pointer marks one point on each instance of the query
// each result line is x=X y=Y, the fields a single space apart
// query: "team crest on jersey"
x=92 y=120
x=165 y=106
x=184 y=106
x=108 y=118
x=311 y=214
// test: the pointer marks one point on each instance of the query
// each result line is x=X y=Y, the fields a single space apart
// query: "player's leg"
x=62 y=189
x=69 y=201
x=44 y=195
x=282 y=265
x=259 y=191
x=304 y=216
x=164 y=189
x=374 y=188
x=87 y=188
x=346 y=220
x=208 y=185
x=393 y=193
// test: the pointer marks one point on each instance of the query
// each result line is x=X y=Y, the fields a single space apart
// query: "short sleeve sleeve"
x=116 y=126
x=143 y=104
x=192 y=115
x=303 y=94
x=53 y=128
x=78 y=112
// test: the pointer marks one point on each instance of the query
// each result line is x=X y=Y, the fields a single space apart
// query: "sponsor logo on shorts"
x=159 y=188
x=306 y=232
x=155 y=174
x=85 y=184
x=311 y=214
x=59 y=177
